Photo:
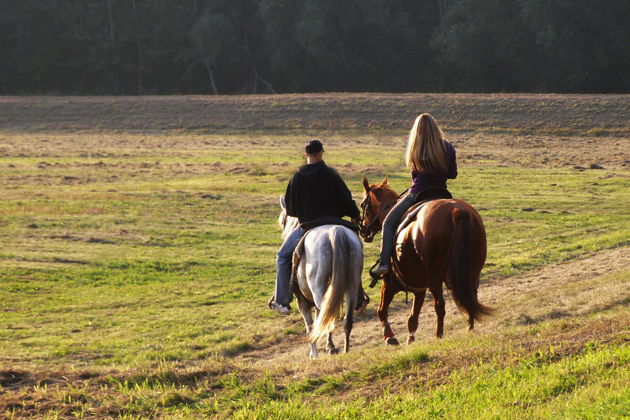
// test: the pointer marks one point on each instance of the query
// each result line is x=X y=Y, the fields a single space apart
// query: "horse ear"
x=283 y=205
x=366 y=184
x=384 y=180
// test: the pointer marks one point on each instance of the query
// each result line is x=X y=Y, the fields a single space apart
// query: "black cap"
x=314 y=146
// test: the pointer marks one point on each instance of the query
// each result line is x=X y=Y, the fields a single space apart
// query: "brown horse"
x=445 y=243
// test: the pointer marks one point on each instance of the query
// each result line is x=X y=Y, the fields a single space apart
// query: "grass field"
x=138 y=239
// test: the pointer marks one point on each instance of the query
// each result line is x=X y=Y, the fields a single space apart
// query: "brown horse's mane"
x=382 y=190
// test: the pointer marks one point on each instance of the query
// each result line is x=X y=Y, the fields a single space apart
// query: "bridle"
x=369 y=230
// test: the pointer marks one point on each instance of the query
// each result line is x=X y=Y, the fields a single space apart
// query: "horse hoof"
x=333 y=350
x=312 y=356
x=410 y=339
x=391 y=341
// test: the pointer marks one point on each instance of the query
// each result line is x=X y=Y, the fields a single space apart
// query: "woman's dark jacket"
x=422 y=181
x=316 y=190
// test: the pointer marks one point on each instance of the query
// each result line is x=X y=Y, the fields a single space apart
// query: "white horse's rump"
x=329 y=270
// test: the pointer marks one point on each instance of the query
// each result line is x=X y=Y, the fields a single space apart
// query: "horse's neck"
x=391 y=195
x=389 y=201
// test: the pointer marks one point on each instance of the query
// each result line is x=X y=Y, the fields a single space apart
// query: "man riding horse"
x=316 y=195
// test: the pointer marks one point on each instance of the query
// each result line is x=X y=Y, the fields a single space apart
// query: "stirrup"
x=375 y=277
x=372 y=268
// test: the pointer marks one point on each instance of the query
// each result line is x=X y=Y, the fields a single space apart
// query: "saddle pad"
x=297 y=255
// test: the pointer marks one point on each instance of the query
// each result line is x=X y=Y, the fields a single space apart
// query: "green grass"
x=138 y=267
x=542 y=385
x=511 y=374
x=187 y=269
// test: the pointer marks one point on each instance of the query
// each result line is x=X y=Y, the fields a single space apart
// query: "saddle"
x=410 y=215
x=423 y=198
x=328 y=220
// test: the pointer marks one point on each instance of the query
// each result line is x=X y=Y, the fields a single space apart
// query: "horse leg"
x=347 y=328
x=387 y=295
x=306 y=310
x=330 y=346
x=440 y=311
x=412 y=322
x=352 y=295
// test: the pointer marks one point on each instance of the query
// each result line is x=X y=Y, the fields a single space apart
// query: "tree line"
x=278 y=46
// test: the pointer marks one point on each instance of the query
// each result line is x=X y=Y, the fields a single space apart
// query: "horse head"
x=378 y=201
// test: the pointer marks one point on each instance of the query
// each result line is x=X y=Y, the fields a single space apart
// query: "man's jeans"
x=285 y=265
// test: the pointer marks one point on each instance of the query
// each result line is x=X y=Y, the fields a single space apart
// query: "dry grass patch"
x=509 y=113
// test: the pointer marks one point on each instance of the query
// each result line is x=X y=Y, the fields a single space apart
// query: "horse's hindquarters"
x=445 y=244
x=436 y=229
x=329 y=271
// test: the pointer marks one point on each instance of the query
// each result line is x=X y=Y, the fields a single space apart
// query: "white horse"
x=329 y=269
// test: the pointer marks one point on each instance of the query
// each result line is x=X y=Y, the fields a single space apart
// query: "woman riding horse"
x=443 y=243
x=432 y=161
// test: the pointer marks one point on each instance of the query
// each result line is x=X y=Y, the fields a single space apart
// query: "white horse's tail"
x=340 y=282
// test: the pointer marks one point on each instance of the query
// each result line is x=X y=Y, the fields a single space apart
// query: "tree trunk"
x=84 y=12
x=138 y=46
x=111 y=21
x=211 y=77
x=112 y=41
x=257 y=77
x=346 y=67
x=442 y=6
x=254 y=71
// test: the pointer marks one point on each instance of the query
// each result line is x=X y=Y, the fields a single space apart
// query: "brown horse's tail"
x=338 y=287
x=461 y=280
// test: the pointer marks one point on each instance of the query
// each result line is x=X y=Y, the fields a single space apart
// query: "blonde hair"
x=425 y=147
